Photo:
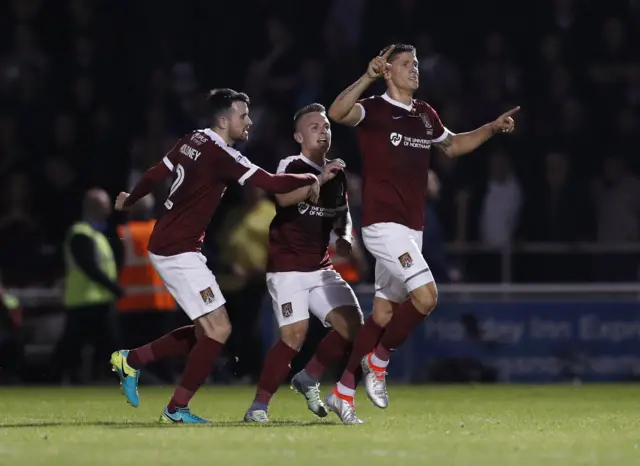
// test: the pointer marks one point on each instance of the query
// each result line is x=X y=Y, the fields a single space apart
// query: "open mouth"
x=322 y=141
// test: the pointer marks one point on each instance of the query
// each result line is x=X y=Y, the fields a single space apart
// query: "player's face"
x=239 y=122
x=314 y=132
x=404 y=73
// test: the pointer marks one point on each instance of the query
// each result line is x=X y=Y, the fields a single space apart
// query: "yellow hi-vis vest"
x=80 y=290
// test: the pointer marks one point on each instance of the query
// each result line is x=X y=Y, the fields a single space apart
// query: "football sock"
x=366 y=340
x=330 y=350
x=198 y=367
x=175 y=343
x=275 y=369
x=405 y=319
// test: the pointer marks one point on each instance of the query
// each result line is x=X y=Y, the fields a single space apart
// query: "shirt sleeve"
x=235 y=166
x=364 y=104
x=170 y=160
x=440 y=132
x=292 y=166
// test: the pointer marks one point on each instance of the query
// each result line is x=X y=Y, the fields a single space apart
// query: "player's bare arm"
x=282 y=182
x=344 y=109
x=311 y=193
x=147 y=183
x=342 y=228
x=455 y=145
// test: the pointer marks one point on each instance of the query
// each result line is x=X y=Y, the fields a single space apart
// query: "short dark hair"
x=399 y=48
x=221 y=100
x=311 y=108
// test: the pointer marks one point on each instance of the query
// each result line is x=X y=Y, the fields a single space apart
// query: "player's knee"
x=346 y=320
x=382 y=311
x=219 y=332
x=425 y=298
x=294 y=334
x=215 y=325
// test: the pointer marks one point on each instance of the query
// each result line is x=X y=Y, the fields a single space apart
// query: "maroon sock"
x=274 y=370
x=175 y=343
x=404 y=320
x=331 y=349
x=365 y=341
x=198 y=367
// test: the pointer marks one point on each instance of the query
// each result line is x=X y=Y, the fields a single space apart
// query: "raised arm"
x=455 y=145
x=344 y=109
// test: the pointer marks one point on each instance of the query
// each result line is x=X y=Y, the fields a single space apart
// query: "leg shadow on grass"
x=156 y=424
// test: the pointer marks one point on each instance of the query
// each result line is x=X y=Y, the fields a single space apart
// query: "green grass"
x=432 y=425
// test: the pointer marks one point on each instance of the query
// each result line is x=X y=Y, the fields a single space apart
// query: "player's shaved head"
x=398 y=49
x=313 y=130
x=306 y=110
x=220 y=101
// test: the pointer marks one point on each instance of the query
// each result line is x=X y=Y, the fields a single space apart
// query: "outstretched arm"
x=282 y=182
x=455 y=145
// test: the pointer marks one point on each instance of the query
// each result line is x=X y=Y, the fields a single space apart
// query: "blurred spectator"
x=439 y=76
x=556 y=208
x=91 y=289
x=244 y=239
x=279 y=64
x=442 y=268
x=19 y=231
x=11 y=338
x=501 y=204
x=12 y=156
x=617 y=199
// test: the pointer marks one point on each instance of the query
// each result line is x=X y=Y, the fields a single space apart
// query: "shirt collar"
x=386 y=97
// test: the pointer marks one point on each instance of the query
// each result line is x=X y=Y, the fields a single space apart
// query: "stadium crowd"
x=94 y=92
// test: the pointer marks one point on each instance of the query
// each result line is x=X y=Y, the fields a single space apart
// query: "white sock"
x=376 y=361
x=345 y=390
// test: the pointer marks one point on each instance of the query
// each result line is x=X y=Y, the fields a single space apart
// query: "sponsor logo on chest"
x=304 y=208
x=416 y=140
x=407 y=141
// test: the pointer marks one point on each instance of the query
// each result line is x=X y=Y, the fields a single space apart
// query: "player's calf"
x=275 y=369
x=209 y=344
x=346 y=322
x=409 y=315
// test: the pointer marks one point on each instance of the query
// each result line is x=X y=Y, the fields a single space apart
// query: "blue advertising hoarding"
x=519 y=341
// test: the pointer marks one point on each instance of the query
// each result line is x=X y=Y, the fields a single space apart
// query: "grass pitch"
x=436 y=425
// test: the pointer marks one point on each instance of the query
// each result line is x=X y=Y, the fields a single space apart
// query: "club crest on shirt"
x=405 y=260
x=207 y=295
x=287 y=310
x=427 y=124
